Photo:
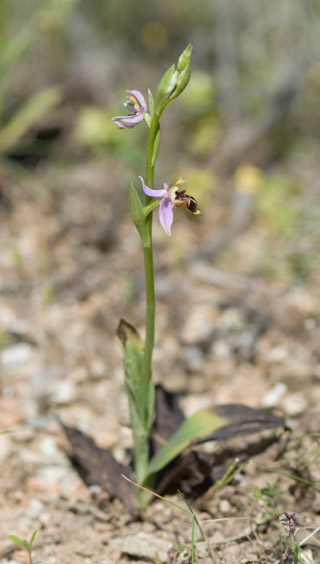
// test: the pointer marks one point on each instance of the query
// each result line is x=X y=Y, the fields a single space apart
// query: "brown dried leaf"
x=97 y=466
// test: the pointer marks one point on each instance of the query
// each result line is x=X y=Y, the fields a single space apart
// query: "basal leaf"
x=198 y=425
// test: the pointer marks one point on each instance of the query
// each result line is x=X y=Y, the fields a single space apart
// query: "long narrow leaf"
x=20 y=542
x=199 y=425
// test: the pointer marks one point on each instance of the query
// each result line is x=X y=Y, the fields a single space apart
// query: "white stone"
x=16 y=356
x=35 y=507
x=224 y=506
x=146 y=546
x=294 y=404
x=274 y=395
x=277 y=354
x=63 y=392
x=221 y=348
x=5 y=447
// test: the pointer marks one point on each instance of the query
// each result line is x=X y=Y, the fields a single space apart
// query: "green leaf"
x=148 y=119
x=23 y=543
x=138 y=215
x=151 y=104
x=25 y=117
x=132 y=347
x=199 y=425
x=150 y=207
x=156 y=147
x=150 y=405
x=163 y=87
x=140 y=406
x=33 y=537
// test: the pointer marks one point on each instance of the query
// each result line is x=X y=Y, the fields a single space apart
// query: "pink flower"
x=137 y=107
x=171 y=198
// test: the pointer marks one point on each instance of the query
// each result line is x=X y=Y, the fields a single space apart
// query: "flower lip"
x=184 y=199
x=136 y=106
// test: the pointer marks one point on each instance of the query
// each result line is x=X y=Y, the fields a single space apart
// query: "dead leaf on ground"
x=96 y=466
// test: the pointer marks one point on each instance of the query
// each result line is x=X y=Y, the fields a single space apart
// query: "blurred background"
x=253 y=97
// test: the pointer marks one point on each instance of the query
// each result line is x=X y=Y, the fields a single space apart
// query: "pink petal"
x=125 y=122
x=140 y=99
x=150 y=191
x=166 y=214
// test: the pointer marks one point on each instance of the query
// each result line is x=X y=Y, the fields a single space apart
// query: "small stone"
x=35 y=507
x=48 y=447
x=294 y=404
x=16 y=356
x=224 y=506
x=146 y=546
x=277 y=354
x=198 y=326
x=5 y=447
x=273 y=396
x=303 y=301
x=221 y=348
x=63 y=392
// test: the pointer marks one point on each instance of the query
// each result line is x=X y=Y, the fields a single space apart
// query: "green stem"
x=142 y=441
x=148 y=268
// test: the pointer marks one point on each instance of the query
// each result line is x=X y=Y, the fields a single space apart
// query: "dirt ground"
x=242 y=326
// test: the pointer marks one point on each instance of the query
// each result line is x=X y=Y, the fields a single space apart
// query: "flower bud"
x=165 y=86
x=184 y=58
x=174 y=80
x=183 y=70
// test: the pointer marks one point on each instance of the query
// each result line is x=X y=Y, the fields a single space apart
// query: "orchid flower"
x=172 y=197
x=137 y=107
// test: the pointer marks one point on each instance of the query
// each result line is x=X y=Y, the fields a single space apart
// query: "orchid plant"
x=138 y=355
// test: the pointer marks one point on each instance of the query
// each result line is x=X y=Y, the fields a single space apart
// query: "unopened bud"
x=184 y=57
x=174 y=80
x=184 y=70
x=166 y=85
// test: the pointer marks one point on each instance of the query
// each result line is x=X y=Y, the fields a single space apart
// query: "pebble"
x=221 y=349
x=146 y=546
x=16 y=356
x=294 y=404
x=277 y=354
x=58 y=479
x=63 y=392
x=5 y=447
x=273 y=396
x=35 y=507
x=48 y=447
x=224 y=506
x=199 y=324
x=303 y=301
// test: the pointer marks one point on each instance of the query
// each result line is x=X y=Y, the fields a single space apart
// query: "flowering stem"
x=148 y=265
x=142 y=441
